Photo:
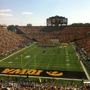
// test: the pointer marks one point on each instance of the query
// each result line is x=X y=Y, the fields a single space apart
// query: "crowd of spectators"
x=27 y=84
x=85 y=45
x=10 y=41
x=80 y=35
x=65 y=34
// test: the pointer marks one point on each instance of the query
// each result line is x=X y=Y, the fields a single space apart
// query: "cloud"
x=27 y=12
x=3 y=14
x=11 y=18
x=5 y=10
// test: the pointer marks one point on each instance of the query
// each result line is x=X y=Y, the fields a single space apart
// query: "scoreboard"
x=49 y=22
x=56 y=21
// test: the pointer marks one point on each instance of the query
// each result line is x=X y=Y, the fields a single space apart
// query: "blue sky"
x=22 y=12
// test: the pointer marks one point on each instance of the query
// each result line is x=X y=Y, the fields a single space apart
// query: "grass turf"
x=62 y=57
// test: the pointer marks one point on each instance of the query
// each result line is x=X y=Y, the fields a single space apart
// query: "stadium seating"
x=64 y=34
x=36 y=85
x=9 y=41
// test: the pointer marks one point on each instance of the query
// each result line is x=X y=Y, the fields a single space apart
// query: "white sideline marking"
x=43 y=77
x=85 y=70
x=14 y=53
x=83 y=66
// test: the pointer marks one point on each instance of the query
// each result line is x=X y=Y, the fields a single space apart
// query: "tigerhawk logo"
x=54 y=73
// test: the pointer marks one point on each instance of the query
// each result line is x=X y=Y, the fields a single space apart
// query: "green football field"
x=62 y=57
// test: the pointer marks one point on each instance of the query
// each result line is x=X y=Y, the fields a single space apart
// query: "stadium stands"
x=9 y=41
x=64 y=34
x=36 y=85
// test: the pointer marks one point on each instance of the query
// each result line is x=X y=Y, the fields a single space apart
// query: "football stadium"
x=53 y=52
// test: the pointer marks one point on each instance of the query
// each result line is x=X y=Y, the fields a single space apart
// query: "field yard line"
x=14 y=53
x=50 y=61
x=31 y=59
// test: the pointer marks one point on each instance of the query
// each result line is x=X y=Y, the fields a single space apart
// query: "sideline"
x=82 y=65
x=41 y=77
x=85 y=70
x=15 y=53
